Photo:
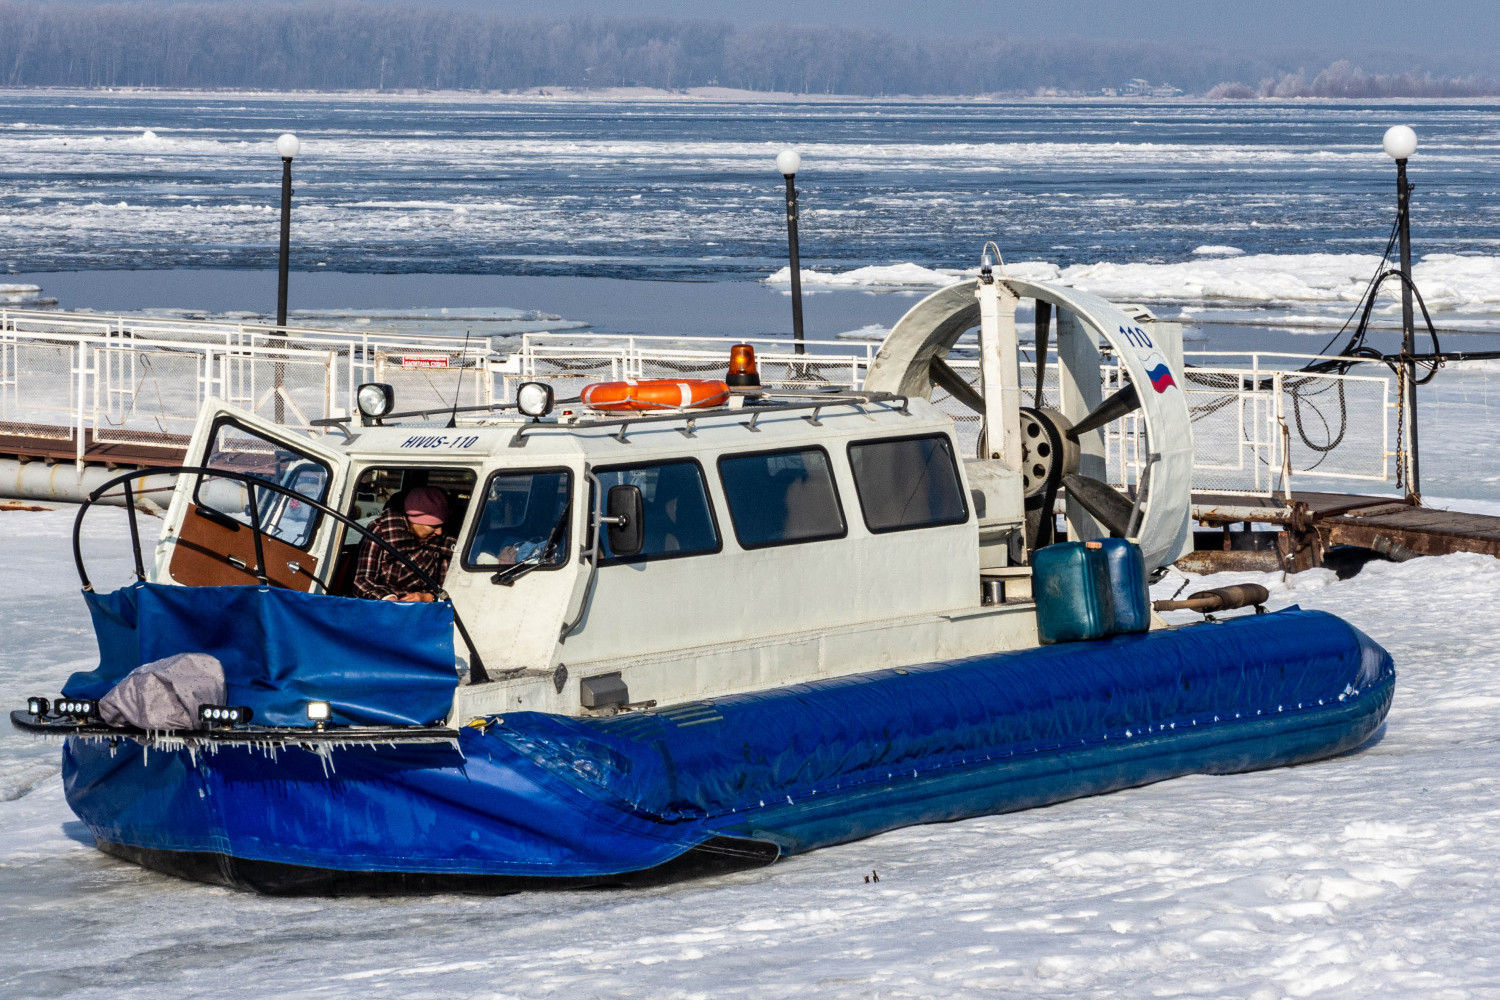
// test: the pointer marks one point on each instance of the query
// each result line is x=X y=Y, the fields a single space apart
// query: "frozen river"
x=1372 y=875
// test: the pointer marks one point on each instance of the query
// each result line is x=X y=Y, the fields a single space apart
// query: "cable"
x=1385 y=259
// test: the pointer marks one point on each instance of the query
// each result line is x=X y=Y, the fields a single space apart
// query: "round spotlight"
x=375 y=399
x=1400 y=142
x=534 y=399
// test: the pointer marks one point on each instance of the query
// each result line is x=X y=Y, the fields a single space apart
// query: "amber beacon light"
x=742 y=366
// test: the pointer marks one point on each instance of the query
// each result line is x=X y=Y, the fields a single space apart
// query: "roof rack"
x=690 y=418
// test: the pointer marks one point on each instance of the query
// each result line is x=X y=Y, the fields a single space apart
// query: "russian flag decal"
x=1158 y=372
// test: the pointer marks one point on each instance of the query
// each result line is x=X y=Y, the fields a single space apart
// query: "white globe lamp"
x=1400 y=142
x=287 y=146
x=788 y=161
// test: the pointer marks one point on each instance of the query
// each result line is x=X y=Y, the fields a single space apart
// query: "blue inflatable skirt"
x=529 y=799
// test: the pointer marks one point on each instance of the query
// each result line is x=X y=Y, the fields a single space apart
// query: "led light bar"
x=223 y=716
x=76 y=708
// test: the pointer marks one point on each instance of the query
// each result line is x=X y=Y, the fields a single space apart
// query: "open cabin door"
x=208 y=539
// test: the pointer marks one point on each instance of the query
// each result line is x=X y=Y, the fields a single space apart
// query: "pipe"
x=1239 y=595
x=65 y=482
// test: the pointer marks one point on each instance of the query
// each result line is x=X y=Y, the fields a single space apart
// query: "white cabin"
x=779 y=543
x=781 y=537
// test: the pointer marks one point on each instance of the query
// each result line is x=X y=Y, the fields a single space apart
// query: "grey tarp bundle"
x=165 y=693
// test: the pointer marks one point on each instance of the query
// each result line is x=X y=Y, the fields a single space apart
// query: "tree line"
x=368 y=46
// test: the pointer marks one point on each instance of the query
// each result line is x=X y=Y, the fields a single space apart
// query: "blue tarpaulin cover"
x=798 y=767
x=375 y=662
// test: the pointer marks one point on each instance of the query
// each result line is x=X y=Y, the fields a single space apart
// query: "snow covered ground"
x=1373 y=875
x=1461 y=291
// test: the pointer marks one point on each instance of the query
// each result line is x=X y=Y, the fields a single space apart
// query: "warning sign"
x=424 y=361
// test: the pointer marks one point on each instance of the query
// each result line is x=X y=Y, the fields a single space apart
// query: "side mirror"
x=625 y=517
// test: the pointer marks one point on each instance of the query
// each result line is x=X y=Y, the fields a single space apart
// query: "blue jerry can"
x=1089 y=590
x=1130 y=597
x=1070 y=584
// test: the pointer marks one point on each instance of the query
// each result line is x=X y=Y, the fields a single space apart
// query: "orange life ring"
x=655 y=394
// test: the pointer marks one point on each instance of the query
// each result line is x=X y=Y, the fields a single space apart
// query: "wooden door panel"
x=214 y=550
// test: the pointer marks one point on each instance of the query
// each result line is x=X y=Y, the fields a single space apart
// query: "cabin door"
x=209 y=541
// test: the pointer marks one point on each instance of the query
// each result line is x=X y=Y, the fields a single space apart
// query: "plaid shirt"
x=379 y=574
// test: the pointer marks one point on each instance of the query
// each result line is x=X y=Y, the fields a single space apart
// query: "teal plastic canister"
x=1129 y=593
x=1070 y=584
x=1090 y=590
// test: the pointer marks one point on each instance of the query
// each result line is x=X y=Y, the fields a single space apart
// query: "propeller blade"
x=1108 y=505
x=1125 y=401
x=1043 y=334
x=955 y=385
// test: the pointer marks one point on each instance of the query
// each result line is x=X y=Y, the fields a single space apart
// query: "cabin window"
x=907 y=483
x=678 y=520
x=382 y=487
x=781 y=497
x=526 y=516
x=237 y=449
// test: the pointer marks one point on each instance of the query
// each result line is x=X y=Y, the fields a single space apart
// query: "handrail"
x=528 y=337
x=692 y=416
x=112 y=322
x=477 y=672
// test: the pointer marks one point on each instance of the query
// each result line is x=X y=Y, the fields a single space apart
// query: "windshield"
x=236 y=449
x=524 y=519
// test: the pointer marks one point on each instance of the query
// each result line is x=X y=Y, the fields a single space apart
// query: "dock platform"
x=1312 y=523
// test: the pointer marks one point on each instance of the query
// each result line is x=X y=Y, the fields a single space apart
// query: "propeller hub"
x=1047 y=452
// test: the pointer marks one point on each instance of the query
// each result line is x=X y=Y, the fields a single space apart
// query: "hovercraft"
x=693 y=638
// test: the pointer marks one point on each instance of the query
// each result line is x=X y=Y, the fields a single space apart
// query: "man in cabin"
x=415 y=531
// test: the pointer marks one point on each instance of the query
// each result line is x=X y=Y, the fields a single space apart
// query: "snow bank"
x=1449 y=282
x=1361 y=876
x=876 y=277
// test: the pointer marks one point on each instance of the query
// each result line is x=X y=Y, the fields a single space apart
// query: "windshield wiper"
x=510 y=574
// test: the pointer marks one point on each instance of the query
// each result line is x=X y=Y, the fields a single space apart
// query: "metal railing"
x=91 y=379
x=1260 y=426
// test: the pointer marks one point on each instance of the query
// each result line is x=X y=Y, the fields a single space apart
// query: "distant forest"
x=363 y=46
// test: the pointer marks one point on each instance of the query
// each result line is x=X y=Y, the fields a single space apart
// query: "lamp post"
x=787 y=161
x=287 y=147
x=1400 y=143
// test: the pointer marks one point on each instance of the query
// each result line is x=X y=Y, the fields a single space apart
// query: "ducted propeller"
x=1127 y=400
x=1094 y=333
x=955 y=385
x=1043 y=335
x=1108 y=505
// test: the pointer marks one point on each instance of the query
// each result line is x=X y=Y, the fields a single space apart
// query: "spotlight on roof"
x=375 y=399
x=534 y=399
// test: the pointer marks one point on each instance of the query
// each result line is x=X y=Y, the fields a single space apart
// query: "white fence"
x=115 y=380
x=1259 y=425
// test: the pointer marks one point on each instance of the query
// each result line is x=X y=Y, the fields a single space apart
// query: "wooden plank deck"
x=123 y=449
x=1388 y=525
x=1420 y=531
